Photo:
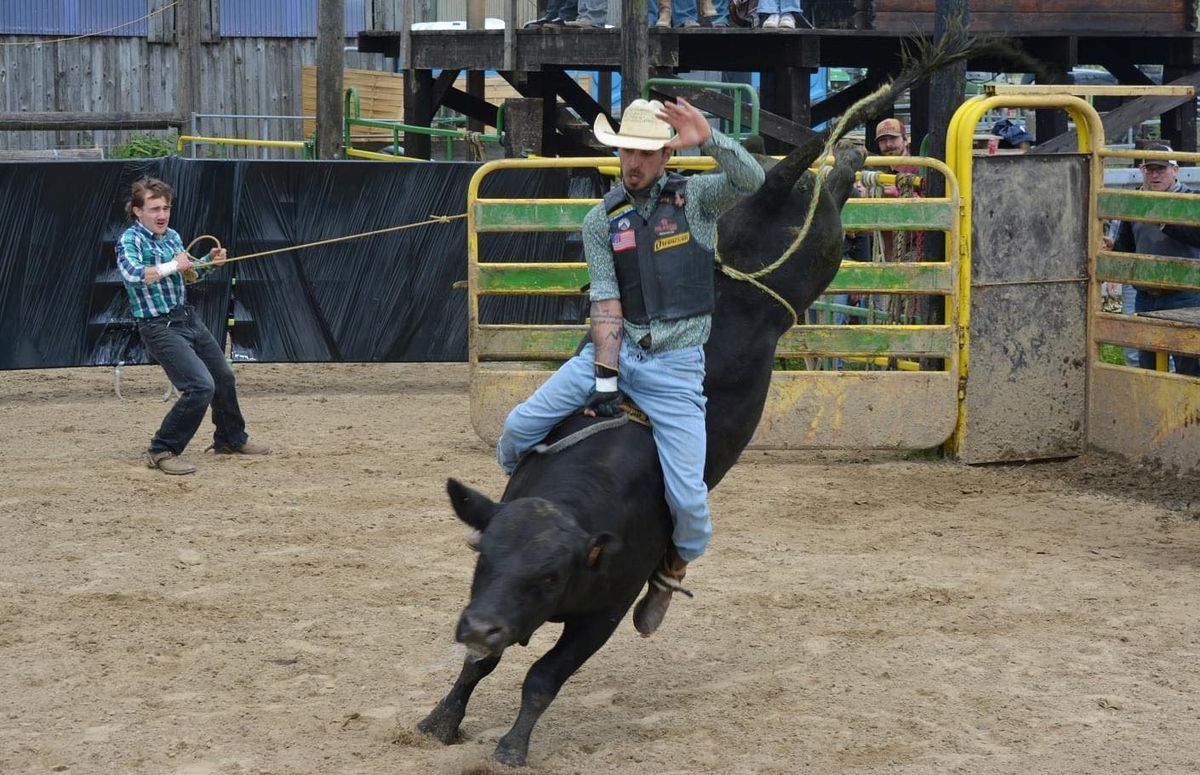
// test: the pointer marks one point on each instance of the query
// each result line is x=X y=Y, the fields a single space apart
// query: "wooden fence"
x=244 y=76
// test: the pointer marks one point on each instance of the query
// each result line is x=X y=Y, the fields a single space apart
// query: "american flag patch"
x=623 y=240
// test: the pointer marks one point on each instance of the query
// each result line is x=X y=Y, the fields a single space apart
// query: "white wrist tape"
x=168 y=269
x=606 y=384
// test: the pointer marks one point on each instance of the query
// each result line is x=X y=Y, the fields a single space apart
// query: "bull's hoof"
x=439 y=727
x=510 y=755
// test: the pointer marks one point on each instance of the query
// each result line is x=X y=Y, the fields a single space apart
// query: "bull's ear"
x=472 y=507
x=599 y=548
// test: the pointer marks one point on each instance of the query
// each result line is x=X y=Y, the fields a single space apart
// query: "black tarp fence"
x=383 y=298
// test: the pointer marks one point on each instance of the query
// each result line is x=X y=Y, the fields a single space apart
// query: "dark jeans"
x=197 y=368
x=1148 y=301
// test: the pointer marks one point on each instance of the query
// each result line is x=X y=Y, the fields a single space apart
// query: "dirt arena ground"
x=294 y=614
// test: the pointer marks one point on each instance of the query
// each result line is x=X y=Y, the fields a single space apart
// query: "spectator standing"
x=558 y=13
x=681 y=13
x=592 y=14
x=779 y=14
x=891 y=139
x=1162 y=239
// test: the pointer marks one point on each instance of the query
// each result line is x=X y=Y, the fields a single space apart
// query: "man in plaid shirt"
x=152 y=262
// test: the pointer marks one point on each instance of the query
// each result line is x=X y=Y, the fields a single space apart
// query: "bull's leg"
x=442 y=723
x=581 y=637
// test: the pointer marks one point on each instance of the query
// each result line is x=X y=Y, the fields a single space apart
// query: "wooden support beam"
x=476 y=20
x=418 y=111
x=550 y=136
x=187 y=37
x=721 y=105
x=1059 y=54
x=1179 y=124
x=331 y=40
x=604 y=86
x=1127 y=73
x=478 y=110
x=574 y=95
x=63 y=121
x=945 y=95
x=475 y=87
x=1117 y=122
x=442 y=84
x=635 y=50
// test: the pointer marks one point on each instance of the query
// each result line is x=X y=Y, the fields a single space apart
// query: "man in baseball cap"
x=1160 y=163
x=1161 y=173
x=890 y=137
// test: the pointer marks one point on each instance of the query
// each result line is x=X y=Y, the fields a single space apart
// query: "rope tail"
x=920 y=59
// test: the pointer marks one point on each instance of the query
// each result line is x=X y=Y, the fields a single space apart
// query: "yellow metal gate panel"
x=804 y=409
x=857 y=410
x=1149 y=416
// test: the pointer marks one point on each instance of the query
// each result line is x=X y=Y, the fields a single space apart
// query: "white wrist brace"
x=606 y=384
x=168 y=269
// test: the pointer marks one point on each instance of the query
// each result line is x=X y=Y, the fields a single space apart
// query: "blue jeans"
x=1128 y=303
x=197 y=368
x=1153 y=302
x=593 y=11
x=681 y=11
x=669 y=388
x=767 y=7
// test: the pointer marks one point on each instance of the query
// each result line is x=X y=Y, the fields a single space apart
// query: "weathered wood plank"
x=83 y=120
x=1008 y=22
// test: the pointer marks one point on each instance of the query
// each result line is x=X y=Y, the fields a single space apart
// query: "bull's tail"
x=921 y=59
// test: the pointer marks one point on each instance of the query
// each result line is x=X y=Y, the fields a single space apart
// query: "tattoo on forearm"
x=602 y=320
x=615 y=335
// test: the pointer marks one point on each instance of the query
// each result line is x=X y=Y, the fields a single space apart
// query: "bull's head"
x=531 y=553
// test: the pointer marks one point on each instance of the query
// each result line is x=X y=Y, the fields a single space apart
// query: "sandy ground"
x=294 y=614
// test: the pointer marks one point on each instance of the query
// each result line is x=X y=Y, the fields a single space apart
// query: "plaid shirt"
x=138 y=249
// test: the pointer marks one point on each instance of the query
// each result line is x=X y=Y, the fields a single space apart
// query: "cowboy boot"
x=707 y=11
x=650 y=610
x=664 y=14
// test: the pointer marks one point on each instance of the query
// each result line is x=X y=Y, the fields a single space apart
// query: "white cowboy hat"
x=641 y=128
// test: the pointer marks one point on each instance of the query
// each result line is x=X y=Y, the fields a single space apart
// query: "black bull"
x=577 y=533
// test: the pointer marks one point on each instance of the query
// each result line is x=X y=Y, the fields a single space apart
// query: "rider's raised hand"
x=691 y=127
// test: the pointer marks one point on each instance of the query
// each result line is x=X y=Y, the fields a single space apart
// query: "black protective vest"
x=662 y=271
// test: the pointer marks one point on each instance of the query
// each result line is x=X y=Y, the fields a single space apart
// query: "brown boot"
x=664 y=14
x=249 y=448
x=168 y=462
x=650 y=610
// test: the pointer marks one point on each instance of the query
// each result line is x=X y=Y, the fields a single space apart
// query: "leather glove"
x=605 y=399
x=605 y=403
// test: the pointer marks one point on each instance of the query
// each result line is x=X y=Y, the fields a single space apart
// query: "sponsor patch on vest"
x=623 y=240
x=672 y=242
x=620 y=210
x=665 y=226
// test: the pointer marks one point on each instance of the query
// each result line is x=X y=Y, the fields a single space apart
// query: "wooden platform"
x=785 y=58
x=740 y=49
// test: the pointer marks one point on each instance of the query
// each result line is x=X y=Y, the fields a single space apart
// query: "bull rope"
x=580 y=435
x=331 y=240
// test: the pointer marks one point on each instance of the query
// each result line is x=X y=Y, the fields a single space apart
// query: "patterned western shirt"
x=707 y=197
x=138 y=249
